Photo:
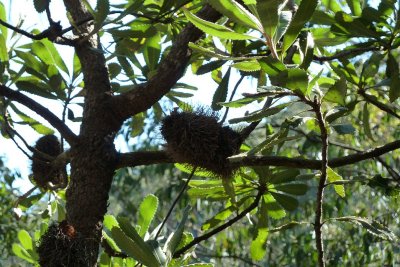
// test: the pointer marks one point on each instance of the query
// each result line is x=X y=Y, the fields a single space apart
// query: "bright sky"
x=15 y=159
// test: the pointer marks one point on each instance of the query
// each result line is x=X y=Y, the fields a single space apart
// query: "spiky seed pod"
x=42 y=170
x=61 y=245
x=198 y=139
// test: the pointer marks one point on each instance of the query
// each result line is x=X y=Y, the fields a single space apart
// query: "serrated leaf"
x=135 y=248
x=105 y=260
x=258 y=245
x=287 y=202
x=157 y=251
x=215 y=29
x=247 y=66
x=332 y=176
x=303 y=14
x=147 y=210
x=3 y=49
x=236 y=12
x=274 y=210
x=240 y=102
x=102 y=10
x=48 y=53
x=284 y=20
x=229 y=189
x=221 y=92
x=110 y=241
x=210 y=66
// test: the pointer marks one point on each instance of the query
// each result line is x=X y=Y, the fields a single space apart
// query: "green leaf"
x=20 y=252
x=303 y=14
x=268 y=11
x=210 y=66
x=353 y=27
x=25 y=239
x=240 y=102
x=102 y=10
x=215 y=29
x=337 y=92
x=152 y=51
x=392 y=70
x=258 y=246
x=272 y=66
x=221 y=92
x=105 y=260
x=260 y=114
x=287 y=202
x=157 y=251
x=3 y=49
x=110 y=221
x=293 y=189
x=110 y=241
x=285 y=227
x=285 y=176
x=285 y=17
x=247 y=66
x=274 y=210
x=172 y=244
x=40 y=5
x=3 y=17
x=236 y=12
x=147 y=210
x=47 y=52
x=344 y=128
x=297 y=80
x=135 y=248
x=372 y=227
x=355 y=7
x=332 y=177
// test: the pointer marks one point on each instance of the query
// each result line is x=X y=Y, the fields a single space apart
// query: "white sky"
x=15 y=159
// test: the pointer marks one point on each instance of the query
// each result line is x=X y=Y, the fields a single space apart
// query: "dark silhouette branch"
x=139 y=158
x=170 y=70
x=222 y=227
x=40 y=110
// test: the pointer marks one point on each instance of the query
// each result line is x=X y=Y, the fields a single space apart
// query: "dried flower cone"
x=198 y=139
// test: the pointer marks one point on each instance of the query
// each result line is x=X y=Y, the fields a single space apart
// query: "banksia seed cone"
x=62 y=246
x=42 y=170
x=198 y=139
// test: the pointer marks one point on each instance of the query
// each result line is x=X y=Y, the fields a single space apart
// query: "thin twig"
x=175 y=202
x=222 y=227
x=235 y=257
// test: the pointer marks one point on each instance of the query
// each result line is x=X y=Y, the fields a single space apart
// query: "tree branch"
x=370 y=99
x=138 y=158
x=170 y=70
x=222 y=227
x=40 y=110
x=321 y=184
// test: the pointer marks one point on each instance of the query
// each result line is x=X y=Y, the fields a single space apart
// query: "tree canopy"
x=308 y=176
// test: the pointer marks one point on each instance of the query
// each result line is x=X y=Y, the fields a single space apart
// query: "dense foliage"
x=316 y=180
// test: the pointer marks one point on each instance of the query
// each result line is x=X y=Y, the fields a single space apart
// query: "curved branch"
x=170 y=70
x=222 y=227
x=138 y=158
x=40 y=110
